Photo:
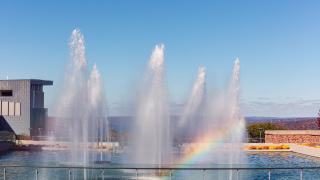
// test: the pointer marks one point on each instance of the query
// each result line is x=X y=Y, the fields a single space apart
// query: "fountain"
x=152 y=143
x=214 y=128
x=81 y=110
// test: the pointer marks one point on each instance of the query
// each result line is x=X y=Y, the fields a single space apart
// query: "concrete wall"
x=292 y=136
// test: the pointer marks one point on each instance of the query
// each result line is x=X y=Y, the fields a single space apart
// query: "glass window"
x=6 y=93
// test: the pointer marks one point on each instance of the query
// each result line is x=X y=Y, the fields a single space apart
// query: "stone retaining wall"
x=292 y=136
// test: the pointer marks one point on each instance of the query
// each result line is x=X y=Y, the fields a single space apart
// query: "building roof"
x=33 y=81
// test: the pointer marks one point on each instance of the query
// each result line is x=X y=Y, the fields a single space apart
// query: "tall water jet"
x=99 y=128
x=237 y=134
x=192 y=115
x=81 y=110
x=152 y=141
x=72 y=108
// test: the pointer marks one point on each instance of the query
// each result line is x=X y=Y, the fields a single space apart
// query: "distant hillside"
x=125 y=123
x=301 y=123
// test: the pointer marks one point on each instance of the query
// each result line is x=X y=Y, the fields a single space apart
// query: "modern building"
x=22 y=106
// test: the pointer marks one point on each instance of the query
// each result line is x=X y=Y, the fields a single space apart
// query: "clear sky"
x=278 y=43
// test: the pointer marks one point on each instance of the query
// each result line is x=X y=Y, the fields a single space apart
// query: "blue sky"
x=278 y=43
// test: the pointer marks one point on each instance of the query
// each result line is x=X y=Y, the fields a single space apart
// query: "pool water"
x=55 y=158
x=283 y=159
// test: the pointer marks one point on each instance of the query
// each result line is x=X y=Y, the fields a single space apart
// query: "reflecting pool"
x=49 y=158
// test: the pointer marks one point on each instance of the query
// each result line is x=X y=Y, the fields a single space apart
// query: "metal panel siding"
x=21 y=93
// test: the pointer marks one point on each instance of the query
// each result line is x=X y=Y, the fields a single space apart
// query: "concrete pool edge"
x=305 y=150
x=296 y=148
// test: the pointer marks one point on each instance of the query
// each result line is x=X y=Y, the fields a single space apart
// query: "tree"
x=255 y=128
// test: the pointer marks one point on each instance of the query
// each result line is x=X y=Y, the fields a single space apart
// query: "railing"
x=169 y=170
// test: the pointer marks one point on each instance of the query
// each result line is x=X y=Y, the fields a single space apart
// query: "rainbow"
x=206 y=143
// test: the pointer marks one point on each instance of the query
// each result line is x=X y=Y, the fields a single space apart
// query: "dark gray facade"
x=22 y=105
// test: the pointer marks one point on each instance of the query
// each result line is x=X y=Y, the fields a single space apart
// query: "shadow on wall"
x=4 y=126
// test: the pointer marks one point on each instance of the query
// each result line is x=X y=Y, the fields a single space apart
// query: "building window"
x=5 y=92
x=17 y=109
x=11 y=108
x=5 y=108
